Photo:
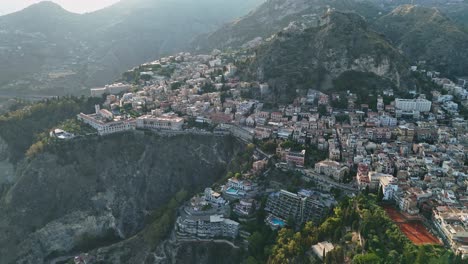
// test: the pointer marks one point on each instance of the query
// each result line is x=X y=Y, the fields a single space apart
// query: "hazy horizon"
x=76 y=6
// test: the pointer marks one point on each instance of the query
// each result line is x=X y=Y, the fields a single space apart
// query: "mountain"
x=425 y=34
x=331 y=56
x=273 y=16
x=454 y=9
x=47 y=50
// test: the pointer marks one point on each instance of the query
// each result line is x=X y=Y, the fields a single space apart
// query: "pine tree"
x=380 y=194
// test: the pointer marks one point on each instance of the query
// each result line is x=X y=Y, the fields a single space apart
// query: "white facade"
x=207 y=226
x=104 y=128
x=166 y=123
x=389 y=187
x=421 y=105
x=115 y=88
x=239 y=185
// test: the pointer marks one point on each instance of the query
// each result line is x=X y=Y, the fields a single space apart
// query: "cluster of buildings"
x=414 y=150
x=106 y=122
x=206 y=216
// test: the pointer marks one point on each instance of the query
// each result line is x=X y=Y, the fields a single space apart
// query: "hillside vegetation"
x=274 y=15
x=425 y=34
x=48 y=50
x=21 y=128
x=316 y=57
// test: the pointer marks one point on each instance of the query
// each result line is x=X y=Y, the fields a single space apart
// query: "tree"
x=380 y=194
x=366 y=190
x=422 y=257
x=370 y=258
x=322 y=110
x=146 y=77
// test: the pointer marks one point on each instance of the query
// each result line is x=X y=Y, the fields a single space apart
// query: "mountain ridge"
x=426 y=34
x=273 y=16
x=53 y=51
x=318 y=56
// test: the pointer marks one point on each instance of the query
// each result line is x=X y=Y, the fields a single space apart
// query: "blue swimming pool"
x=277 y=222
x=232 y=191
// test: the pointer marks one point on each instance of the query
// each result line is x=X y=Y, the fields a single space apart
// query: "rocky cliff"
x=319 y=56
x=425 y=34
x=91 y=193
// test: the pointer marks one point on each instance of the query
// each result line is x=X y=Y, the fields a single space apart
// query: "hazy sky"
x=77 y=6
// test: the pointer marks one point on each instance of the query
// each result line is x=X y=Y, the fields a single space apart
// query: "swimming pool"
x=232 y=191
x=277 y=222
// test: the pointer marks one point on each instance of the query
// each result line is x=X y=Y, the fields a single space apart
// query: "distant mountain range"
x=48 y=50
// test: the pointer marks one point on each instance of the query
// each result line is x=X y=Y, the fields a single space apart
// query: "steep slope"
x=454 y=9
x=343 y=46
x=101 y=189
x=275 y=15
x=426 y=34
x=45 y=49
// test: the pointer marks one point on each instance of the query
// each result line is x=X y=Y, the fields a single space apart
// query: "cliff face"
x=425 y=34
x=316 y=57
x=100 y=188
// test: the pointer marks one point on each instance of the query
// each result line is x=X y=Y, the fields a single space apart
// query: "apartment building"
x=206 y=226
x=420 y=105
x=293 y=157
x=302 y=206
x=331 y=168
x=389 y=185
x=160 y=122
x=452 y=224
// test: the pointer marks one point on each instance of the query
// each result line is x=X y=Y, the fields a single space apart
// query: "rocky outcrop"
x=89 y=193
x=425 y=34
x=317 y=56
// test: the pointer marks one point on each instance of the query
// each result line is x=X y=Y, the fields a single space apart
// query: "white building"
x=421 y=105
x=322 y=247
x=452 y=224
x=161 y=122
x=214 y=197
x=239 y=185
x=389 y=187
x=115 y=88
x=106 y=128
x=103 y=121
x=331 y=168
x=374 y=179
x=207 y=226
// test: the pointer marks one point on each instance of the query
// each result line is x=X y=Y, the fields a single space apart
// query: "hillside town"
x=411 y=151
